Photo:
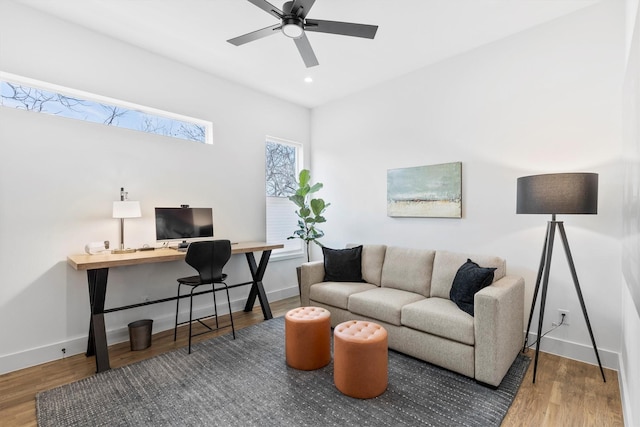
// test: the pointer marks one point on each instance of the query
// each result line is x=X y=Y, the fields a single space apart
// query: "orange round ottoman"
x=307 y=335
x=360 y=356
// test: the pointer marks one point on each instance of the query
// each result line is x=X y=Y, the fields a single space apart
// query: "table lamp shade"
x=558 y=193
x=126 y=209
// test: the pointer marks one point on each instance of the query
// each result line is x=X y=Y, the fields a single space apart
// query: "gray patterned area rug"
x=246 y=382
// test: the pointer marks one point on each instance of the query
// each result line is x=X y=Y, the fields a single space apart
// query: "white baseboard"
x=576 y=351
x=47 y=353
x=78 y=345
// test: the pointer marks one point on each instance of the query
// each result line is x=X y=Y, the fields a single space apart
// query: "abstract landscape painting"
x=425 y=191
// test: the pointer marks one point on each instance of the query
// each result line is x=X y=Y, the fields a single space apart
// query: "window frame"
x=284 y=253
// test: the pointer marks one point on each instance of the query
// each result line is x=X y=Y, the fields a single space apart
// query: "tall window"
x=32 y=95
x=283 y=160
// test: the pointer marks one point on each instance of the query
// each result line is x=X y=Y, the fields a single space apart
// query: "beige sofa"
x=407 y=292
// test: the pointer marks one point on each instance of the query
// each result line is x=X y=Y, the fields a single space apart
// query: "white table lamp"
x=125 y=209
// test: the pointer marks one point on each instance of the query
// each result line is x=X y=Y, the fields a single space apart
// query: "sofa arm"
x=499 y=325
x=310 y=274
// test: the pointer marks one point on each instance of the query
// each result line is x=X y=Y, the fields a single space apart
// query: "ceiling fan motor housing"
x=287 y=8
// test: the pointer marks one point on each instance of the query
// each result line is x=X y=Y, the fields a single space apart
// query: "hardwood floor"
x=566 y=392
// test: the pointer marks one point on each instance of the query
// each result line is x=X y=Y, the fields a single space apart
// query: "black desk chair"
x=208 y=258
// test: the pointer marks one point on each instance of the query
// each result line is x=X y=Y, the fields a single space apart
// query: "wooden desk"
x=97 y=267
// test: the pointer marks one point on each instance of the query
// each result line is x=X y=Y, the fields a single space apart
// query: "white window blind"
x=281 y=222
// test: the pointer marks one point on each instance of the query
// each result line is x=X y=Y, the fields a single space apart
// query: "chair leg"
x=175 y=328
x=215 y=305
x=233 y=329
x=191 y=316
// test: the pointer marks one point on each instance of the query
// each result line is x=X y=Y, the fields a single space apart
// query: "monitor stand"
x=183 y=245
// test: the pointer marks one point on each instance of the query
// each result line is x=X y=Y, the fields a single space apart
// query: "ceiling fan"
x=294 y=24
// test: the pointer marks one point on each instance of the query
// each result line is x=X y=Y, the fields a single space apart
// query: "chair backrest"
x=209 y=257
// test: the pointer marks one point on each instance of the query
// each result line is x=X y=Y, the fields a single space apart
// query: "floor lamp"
x=561 y=193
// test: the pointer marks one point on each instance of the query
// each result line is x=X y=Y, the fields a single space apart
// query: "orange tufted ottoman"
x=307 y=335
x=360 y=356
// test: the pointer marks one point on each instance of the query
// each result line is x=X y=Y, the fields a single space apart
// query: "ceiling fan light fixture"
x=292 y=27
x=293 y=23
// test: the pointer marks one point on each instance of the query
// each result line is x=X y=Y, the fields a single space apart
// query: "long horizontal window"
x=41 y=97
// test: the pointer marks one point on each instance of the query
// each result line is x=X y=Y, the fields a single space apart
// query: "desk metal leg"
x=257 y=289
x=97 y=341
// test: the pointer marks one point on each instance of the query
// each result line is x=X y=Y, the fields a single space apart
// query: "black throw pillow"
x=469 y=279
x=342 y=265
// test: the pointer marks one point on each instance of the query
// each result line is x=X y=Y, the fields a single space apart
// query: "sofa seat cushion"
x=337 y=294
x=441 y=317
x=384 y=304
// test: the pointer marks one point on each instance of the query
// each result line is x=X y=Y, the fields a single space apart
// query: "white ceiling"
x=412 y=34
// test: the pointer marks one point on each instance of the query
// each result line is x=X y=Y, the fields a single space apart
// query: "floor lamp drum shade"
x=558 y=193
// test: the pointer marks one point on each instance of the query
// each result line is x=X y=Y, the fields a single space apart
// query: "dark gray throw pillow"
x=469 y=279
x=342 y=265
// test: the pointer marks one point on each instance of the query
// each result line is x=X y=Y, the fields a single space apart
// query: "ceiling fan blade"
x=267 y=7
x=249 y=37
x=304 y=47
x=342 y=28
x=302 y=7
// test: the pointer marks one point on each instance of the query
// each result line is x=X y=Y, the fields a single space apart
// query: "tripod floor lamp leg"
x=537 y=288
x=574 y=275
x=543 y=299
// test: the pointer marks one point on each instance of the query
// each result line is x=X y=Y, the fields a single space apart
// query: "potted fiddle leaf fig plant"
x=309 y=211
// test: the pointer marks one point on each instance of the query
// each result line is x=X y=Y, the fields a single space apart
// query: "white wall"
x=58 y=178
x=545 y=100
x=630 y=351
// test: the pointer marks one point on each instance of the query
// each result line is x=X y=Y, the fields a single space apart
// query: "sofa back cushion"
x=408 y=269
x=446 y=265
x=372 y=260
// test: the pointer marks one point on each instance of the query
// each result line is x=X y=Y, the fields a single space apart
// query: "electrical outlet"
x=559 y=321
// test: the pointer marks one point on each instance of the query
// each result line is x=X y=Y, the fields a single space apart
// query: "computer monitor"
x=183 y=223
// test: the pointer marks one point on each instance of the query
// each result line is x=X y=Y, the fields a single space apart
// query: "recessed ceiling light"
x=308 y=79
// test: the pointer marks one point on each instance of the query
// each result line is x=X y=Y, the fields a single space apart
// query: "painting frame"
x=430 y=191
